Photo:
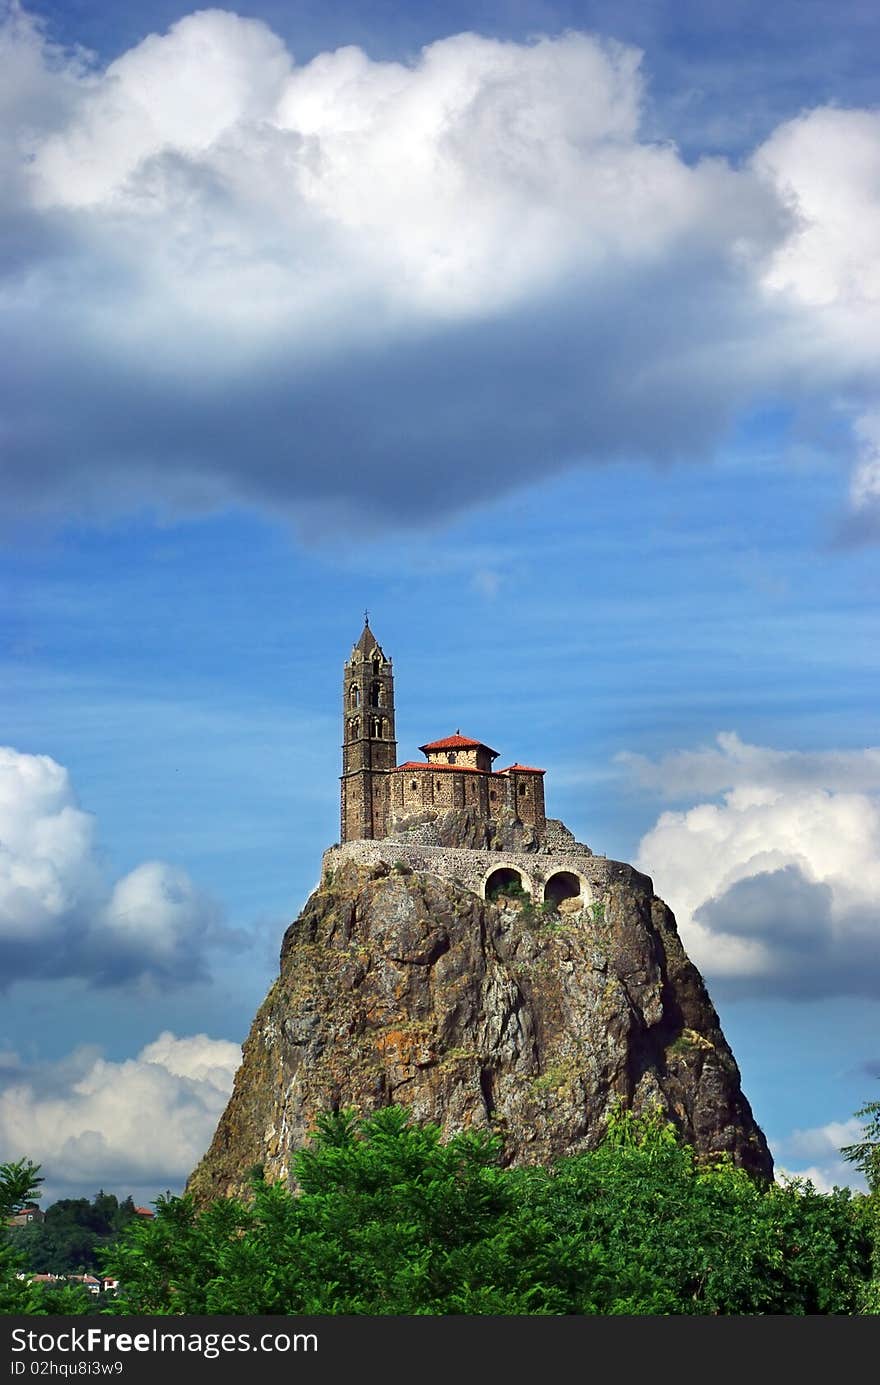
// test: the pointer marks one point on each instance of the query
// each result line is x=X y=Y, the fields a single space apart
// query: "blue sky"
x=550 y=334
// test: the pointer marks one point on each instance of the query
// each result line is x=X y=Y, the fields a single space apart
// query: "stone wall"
x=473 y=868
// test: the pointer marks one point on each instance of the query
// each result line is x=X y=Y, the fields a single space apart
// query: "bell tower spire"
x=369 y=748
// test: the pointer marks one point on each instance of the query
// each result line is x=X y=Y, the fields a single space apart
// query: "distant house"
x=88 y=1281
x=144 y=1212
x=26 y=1215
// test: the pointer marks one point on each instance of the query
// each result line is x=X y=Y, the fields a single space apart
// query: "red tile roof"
x=521 y=769
x=458 y=742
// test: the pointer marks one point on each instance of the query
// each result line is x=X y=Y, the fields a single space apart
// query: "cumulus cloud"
x=400 y=287
x=732 y=763
x=815 y=1154
x=826 y=165
x=139 y=1125
x=776 y=887
x=61 y=916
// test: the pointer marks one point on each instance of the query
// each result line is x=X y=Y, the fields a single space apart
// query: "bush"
x=389 y=1220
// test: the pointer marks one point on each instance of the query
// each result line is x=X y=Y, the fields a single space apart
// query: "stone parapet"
x=475 y=869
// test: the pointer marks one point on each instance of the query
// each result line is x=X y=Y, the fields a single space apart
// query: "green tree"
x=390 y=1220
x=865 y=1153
x=19 y=1184
x=74 y=1232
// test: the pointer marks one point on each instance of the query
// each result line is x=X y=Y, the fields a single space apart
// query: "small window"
x=450 y=758
x=522 y=789
x=354 y=697
x=492 y=795
x=414 y=783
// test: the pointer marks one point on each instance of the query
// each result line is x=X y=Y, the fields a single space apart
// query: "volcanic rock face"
x=408 y=988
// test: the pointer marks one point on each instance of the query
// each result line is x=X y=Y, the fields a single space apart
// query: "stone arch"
x=503 y=877
x=354 y=696
x=563 y=884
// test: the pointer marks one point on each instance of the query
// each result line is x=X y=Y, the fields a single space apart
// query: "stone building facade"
x=457 y=772
x=420 y=812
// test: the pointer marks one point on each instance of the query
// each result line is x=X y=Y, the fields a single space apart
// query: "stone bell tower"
x=369 y=749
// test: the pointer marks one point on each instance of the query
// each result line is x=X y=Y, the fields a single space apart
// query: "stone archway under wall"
x=563 y=885
x=501 y=876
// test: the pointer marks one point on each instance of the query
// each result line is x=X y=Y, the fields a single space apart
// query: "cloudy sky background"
x=547 y=331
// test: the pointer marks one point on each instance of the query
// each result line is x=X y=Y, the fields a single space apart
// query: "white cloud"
x=478 y=252
x=733 y=763
x=47 y=869
x=865 y=483
x=59 y=914
x=776 y=888
x=826 y=166
x=181 y=93
x=138 y=1124
x=484 y=172
x=821 y=1145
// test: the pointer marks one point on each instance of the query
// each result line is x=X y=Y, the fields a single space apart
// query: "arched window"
x=377 y=698
x=563 y=885
x=504 y=881
x=354 y=696
x=492 y=795
x=450 y=757
x=376 y=727
x=414 y=783
x=354 y=727
x=377 y=666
